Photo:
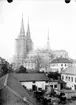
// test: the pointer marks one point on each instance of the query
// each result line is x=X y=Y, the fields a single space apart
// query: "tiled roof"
x=70 y=70
x=30 y=76
x=13 y=85
x=61 y=60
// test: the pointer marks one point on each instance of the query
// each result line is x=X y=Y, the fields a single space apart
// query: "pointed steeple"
x=22 y=31
x=48 y=41
x=28 y=29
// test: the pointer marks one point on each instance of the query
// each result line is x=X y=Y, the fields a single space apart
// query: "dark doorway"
x=34 y=87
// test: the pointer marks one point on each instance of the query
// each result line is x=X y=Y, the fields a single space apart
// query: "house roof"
x=31 y=76
x=70 y=70
x=61 y=60
x=13 y=85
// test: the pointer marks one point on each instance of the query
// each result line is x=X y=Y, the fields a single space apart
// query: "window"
x=66 y=77
x=72 y=79
x=46 y=81
x=55 y=86
x=75 y=87
x=51 y=86
x=33 y=81
x=61 y=64
x=69 y=78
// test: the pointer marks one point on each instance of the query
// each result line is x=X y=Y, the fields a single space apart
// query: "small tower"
x=21 y=45
x=29 y=43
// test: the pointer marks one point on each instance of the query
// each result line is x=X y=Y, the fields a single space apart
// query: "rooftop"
x=12 y=85
x=70 y=70
x=30 y=76
x=61 y=60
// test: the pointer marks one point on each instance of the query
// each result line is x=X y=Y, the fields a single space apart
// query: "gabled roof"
x=61 y=60
x=70 y=70
x=10 y=83
x=30 y=76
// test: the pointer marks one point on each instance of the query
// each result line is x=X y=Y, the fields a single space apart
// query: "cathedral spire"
x=48 y=41
x=22 y=31
x=28 y=29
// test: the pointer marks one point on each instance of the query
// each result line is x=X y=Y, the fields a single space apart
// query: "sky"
x=55 y=15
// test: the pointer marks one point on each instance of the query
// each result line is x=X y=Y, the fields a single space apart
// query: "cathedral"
x=24 y=44
x=28 y=57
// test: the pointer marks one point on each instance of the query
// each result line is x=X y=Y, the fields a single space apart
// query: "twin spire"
x=22 y=30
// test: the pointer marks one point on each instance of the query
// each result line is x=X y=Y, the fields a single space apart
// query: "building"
x=24 y=45
x=69 y=76
x=30 y=63
x=60 y=64
x=60 y=53
x=74 y=62
x=40 y=80
x=13 y=93
x=24 y=48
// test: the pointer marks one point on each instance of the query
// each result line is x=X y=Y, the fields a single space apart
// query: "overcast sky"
x=55 y=15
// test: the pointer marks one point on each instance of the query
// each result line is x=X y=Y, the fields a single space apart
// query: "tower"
x=29 y=43
x=21 y=46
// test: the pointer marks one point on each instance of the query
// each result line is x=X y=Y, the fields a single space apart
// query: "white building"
x=69 y=76
x=59 y=64
x=40 y=80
